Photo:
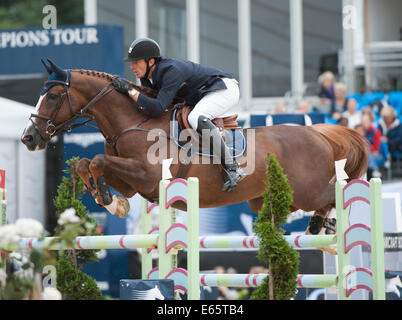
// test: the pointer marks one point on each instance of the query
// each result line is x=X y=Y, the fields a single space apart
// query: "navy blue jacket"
x=168 y=76
x=394 y=136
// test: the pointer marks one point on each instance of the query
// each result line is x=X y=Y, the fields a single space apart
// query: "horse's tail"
x=346 y=143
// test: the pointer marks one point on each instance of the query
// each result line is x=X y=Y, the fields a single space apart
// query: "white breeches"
x=216 y=104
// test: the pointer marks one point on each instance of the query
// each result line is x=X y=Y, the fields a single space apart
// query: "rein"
x=113 y=141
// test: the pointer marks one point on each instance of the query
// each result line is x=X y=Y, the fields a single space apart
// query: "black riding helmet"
x=144 y=48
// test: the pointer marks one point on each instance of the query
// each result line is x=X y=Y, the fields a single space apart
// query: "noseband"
x=52 y=129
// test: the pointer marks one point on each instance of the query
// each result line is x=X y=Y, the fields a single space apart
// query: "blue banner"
x=98 y=48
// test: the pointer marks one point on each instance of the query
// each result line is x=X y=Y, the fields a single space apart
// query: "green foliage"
x=72 y=282
x=28 y=13
x=19 y=282
x=282 y=259
x=16 y=287
x=70 y=192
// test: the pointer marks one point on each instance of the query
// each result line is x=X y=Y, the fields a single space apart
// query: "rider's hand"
x=122 y=85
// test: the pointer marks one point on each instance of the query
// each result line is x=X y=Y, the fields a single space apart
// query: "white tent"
x=25 y=170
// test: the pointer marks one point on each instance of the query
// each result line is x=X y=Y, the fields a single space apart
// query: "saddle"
x=228 y=127
x=226 y=123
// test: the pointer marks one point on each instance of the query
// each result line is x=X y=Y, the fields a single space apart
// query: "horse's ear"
x=59 y=71
x=48 y=69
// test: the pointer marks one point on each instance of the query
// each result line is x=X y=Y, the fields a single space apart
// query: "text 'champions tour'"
x=45 y=37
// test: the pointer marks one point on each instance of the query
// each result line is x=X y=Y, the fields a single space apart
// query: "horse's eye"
x=52 y=96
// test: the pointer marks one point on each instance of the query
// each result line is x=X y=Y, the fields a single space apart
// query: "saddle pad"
x=234 y=139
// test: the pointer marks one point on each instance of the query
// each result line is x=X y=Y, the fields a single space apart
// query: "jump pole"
x=347 y=237
x=3 y=197
x=3 y=203
x=171 y=234
x=351 y=278
x=146 y=228
x=348 y=279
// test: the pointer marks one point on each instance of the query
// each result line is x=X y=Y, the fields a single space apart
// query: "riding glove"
x=122 y=85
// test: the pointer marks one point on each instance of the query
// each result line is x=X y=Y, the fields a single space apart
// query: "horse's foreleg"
x=82 y=170
x=96 y=167
x=116 y=205
x=122 y=174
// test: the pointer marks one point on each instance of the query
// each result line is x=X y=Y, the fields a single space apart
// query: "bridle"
x=52 y=129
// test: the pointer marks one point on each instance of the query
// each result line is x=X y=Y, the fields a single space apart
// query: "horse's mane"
x=109 y=77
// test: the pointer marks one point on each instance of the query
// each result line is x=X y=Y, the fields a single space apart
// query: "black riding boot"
x=234 y=173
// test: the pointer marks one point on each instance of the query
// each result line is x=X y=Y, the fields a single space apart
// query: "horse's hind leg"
x=318 y=221
x=322 y=222
x=255 y=204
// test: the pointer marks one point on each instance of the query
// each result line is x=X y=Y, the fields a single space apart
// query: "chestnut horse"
x=307 y=154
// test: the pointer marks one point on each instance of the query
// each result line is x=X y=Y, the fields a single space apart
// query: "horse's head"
x=156 y=293
x=67 y=96
x=50 y=112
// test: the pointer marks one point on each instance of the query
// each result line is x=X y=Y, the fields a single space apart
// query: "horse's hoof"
x=119 y=206
x=315 y=224
x=332 y=249
x=104 y=191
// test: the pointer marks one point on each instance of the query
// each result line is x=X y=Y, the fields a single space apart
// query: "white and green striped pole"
x=342 y=224
x=167 y=260
x=193 y=242
x=350 y=278
x=3 y=203
x=146 y=226
x=377 y=239
x=3 y=195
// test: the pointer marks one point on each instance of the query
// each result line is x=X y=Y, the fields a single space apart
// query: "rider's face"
x=139 y=67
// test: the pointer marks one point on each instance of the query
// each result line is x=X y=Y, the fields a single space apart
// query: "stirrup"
x=234 y=174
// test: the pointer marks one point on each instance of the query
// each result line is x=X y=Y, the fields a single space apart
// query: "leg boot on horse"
x=324 y=222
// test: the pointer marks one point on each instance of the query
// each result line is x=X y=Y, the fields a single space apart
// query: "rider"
x=212 y=93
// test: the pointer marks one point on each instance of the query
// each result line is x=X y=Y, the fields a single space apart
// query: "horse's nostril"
x=27 y=138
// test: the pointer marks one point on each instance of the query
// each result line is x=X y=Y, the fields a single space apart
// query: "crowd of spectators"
x=378 y=121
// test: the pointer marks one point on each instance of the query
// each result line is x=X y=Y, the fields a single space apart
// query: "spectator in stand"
x=304 y=107
x=359 y=129
x=353 y=116
x=326 y=94
x=281 y=108
x=367 y=110
x=343 y=122
x=373 y=135
x=338 y=105
x=391 y=129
